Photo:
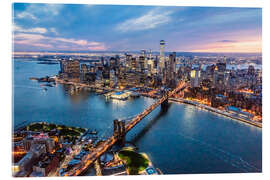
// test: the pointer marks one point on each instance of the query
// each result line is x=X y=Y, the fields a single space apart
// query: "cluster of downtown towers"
x=145 y=70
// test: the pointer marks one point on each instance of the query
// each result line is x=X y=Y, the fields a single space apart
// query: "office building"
x=162 y=56
x=195 y=75
x=133 y=64
x=70 y=70
x=219 y=75
x=128 y=61
x=142 y=64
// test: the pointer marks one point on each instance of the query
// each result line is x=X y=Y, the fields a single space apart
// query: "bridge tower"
x=164 y=104
x=119 y=130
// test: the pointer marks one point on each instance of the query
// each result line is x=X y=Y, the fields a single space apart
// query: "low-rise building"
x=47 y=163
x=27 y=162
x=41 y=138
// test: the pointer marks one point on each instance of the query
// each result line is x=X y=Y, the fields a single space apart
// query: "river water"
x=181 y=139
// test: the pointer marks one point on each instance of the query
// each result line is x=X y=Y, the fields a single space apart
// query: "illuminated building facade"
x=195 y=75
x=133 y=64
x=162 y=56
x=219 y=75
x=128 y=60
x=70 y=69
x=141 y=63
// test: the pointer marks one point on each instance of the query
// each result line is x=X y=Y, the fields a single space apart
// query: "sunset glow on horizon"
x=249 y=46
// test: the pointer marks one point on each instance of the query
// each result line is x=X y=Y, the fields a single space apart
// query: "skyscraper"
x=128 y=61
x=142 y=63
x=225 y=60
x=195 y=75
x=143 y=53
x=162 y=57
x=169 y=71
x=150 y=64
x=133 y=64
x=219 y=75
x=172 y=67
x=150 y=54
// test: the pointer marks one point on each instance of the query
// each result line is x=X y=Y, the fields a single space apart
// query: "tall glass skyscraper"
x=162 y=56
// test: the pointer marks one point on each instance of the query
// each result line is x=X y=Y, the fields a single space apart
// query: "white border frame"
x=6 y=83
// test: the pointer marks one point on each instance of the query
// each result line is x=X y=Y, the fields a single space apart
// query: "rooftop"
x=119 y=93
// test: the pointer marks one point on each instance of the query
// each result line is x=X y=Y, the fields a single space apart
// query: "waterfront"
x=199 y=142
x=218 y=111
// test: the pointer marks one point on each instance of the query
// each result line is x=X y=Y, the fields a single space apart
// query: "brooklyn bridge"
x=121 y=128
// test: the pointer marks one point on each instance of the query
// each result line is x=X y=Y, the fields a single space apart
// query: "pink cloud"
x=43 y=45
x=38 y=40
x=97 y=48
x=39 y=30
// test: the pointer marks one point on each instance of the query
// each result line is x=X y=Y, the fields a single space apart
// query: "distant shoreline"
x=16 y=53
x=257 y=124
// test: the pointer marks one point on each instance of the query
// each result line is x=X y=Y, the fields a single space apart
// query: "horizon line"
x=123 y=51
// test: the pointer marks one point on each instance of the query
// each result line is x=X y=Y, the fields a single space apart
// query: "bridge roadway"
x=103 y=147
x=139 y=117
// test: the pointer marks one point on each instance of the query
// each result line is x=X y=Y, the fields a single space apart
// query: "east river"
x=182 y=139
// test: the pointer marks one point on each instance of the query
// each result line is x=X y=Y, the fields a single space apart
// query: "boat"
x=93 y=132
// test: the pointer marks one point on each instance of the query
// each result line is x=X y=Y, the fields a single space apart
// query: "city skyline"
x=47 y=27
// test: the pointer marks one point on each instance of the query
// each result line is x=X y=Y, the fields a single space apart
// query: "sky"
x=71 y=27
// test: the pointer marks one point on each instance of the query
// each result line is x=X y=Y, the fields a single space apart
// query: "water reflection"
x=189 y=118
x=117 y=103
x=76 y=95
x=189 y=112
